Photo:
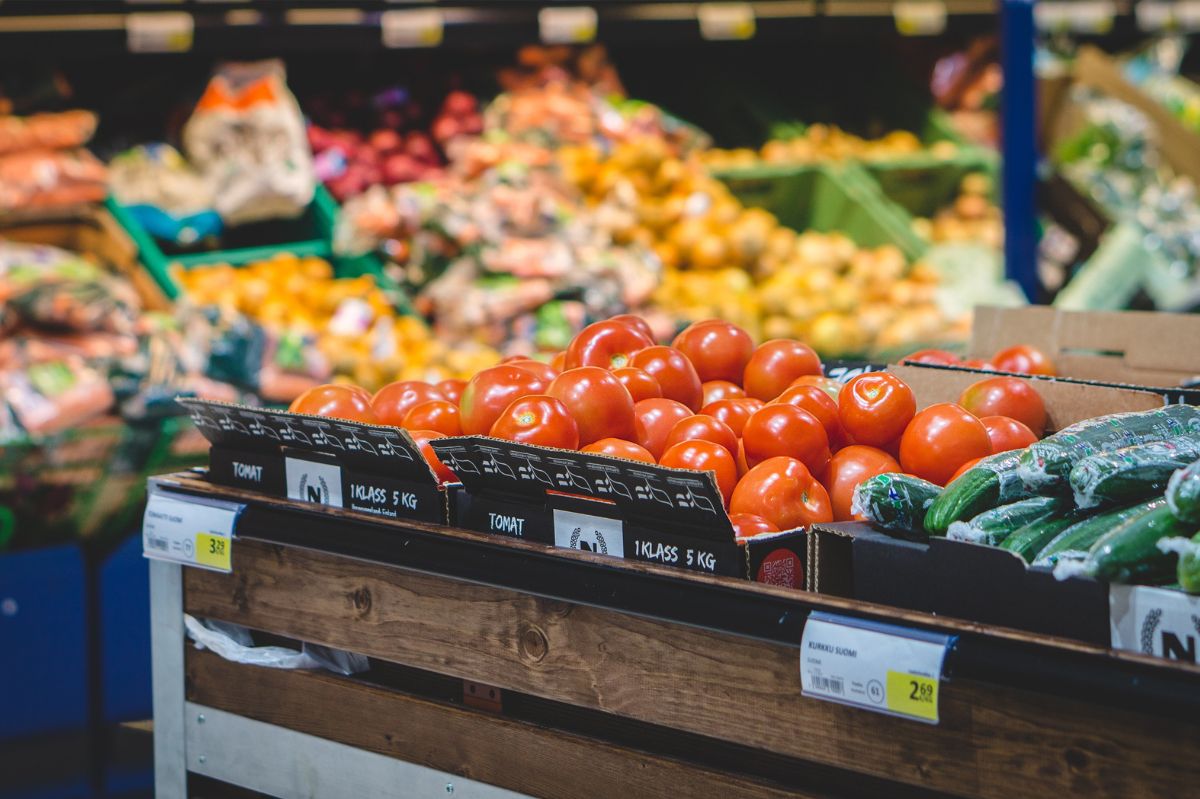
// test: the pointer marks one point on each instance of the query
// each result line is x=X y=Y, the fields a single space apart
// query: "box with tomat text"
x=361 y=467
x=611 y=506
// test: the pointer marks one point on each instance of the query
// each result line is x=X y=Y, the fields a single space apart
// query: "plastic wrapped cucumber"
x=1079 y=537
x=1129 y=553
x=1183 y=493
x=995 y=525
x=1027 y=542
x=895 y=502
x=1046 y=464
x=1188 y=570
x=1130 y=473
x=991 y=482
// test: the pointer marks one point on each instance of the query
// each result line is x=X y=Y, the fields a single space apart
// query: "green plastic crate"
x=923 y=184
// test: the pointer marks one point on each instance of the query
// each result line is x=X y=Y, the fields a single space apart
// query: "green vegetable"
x=894 y=501
x=1046 y=464
x=1079 y=537
x=995 y=525
x=1189 y=567
x=1183 y=493
x=1032 y=538
x=1130 y=473
x=1129 y=553
x=991 y=482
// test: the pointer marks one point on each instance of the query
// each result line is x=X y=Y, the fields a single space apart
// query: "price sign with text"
x=880 y=667
x=190 y=530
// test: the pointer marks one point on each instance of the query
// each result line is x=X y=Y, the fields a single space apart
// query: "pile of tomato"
x=785 y=444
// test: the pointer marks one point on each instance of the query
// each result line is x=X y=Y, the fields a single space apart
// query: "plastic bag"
x=1130 y=473
x=995 y=525
x=234 y=642
x=1183 y=493
x=49 y=178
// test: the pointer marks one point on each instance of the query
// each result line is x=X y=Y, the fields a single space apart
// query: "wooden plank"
x=510 y=754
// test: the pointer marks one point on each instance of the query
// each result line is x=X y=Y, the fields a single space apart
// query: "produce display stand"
x=504 y=668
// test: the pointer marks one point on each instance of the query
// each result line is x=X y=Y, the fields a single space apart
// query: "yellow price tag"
x=912 y=695
x=214 y=550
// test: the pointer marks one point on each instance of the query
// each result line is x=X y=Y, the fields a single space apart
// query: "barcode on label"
x=157 y=543
x=831 y=685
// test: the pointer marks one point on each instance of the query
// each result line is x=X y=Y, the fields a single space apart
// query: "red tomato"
x=440 y=415
x=940 y=357
x=1006 y=434
x=875 y=407
x=653 y=420
x=743 y=467
x=978 y=363
x=607 y=344
x=715 y=390
x=848 y=468
x=775 y=364
x=620 y=448
x=784 y=492
x=747 y=525
x=702 y=427
x=961 y=469
x=637 y=323
x=537 y=419
x=1024 y=360
x=490 y=391
x=704 y=456
x=422 y=439
x=336 y=402
x=451 y=389
x=818 y=403
x=733 y=412
x=638 y=383
x=600 y=404
x=719 y=350
x=941 y=438
x=781 y=429
x=543 y=370
x=1006 y=396
x=559 y=362
x=674 y=373
x=392 y=402
x=826 y=384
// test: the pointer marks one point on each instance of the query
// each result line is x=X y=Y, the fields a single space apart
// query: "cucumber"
x=1047 y=463
x=991 y=482
x=894 y=501
x=995 y=525
x=1129 y=553
x=1130 y=473
x=1079 y=537
x=1188 y=570
x=1032 y=538
x=1183 y=493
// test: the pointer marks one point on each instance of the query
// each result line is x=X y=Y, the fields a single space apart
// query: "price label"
x=418 y=27
x=880 y=667
x=569 y=25
x=193 y=531
x=1154 y=16
x=919 y=17
x=159 y=32
x=1077 y=16
x=726 y=21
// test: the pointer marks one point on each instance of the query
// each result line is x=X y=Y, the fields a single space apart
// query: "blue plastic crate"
x=124 y=619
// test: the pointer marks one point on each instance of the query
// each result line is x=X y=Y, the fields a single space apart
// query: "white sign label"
x=722 y=21
x=919 y=17
x=570 y=25
x=310 y=481
x=589 y=533
x=1154 y=621
x=193 y=531
x=875 y=666
x=418 y=27
x=159 y=32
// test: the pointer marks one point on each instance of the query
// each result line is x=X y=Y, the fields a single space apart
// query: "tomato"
x=606 y=344
x=702 y=427
x=440 y=415
x=940 y=357
x=674 y=373
x=1024 y=360
x=601 y=406
x=1006 y=396
x=638 y=383
x=392 y=402
x=336 y=402
x=781 y=429
x=637 y=323
x=537 y=419
x=1007 y=434
x=620 y=448
x=490 y=391
x=849 y=467
x=451 y=389
x=733 y=412
x=818 y=403
x=747 y=525
x=743 y=467
x=653 y=420
x=826 y=384
x=559 y=362
x=704 y=456
x=422 y=439
x=719 y=350
x=543 y=370
x=775 y=364
x=783 y=491
x=875 y=407
x=978 y=363
x=962 y=469
x=940 y=439
x=715 y=390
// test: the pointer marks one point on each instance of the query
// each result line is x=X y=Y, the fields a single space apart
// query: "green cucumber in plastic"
x=1129 y=553
x=1188 y=569
x=1046 y=464
x=995 y=525
x=1130 y=473
x=894 y=501
x=1079 y=537
x=991 y=482
x=1183 y=493
x=1027 y=542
